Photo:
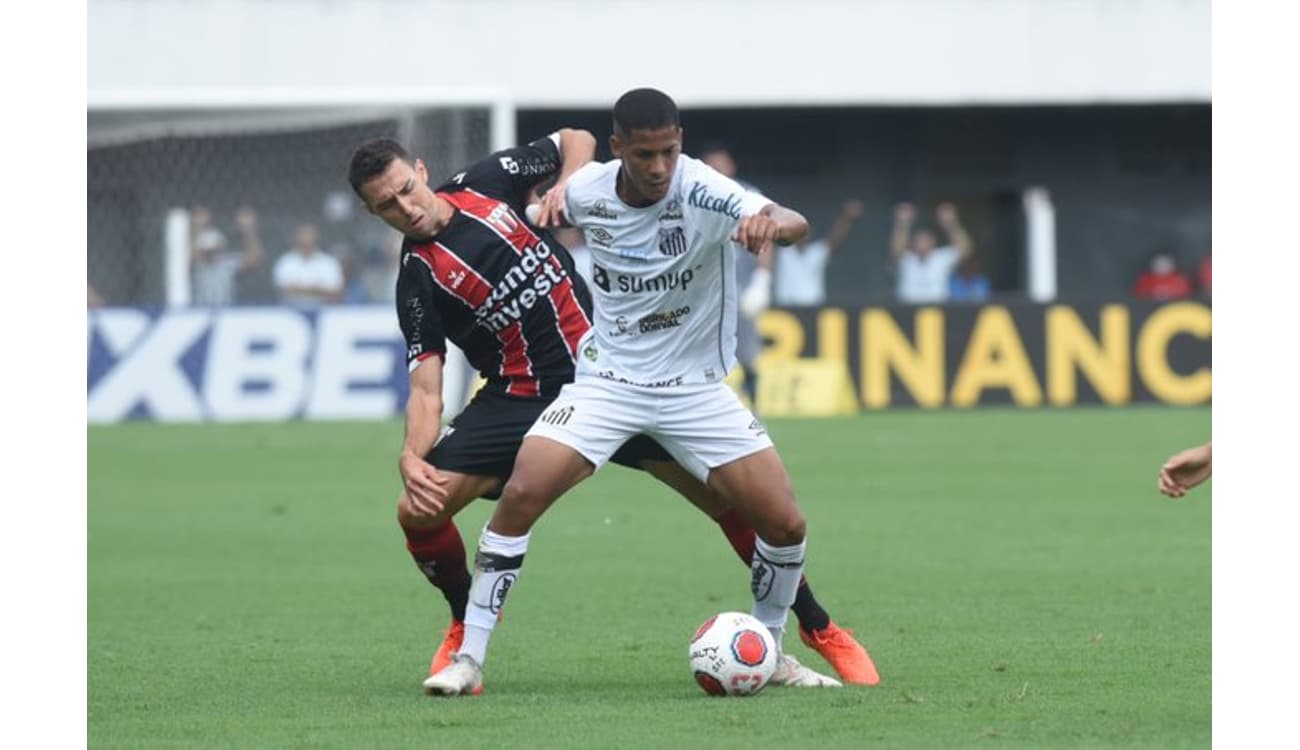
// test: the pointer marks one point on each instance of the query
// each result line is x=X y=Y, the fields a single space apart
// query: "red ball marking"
x=710 y=683
x=701 y=630
x=748 y=648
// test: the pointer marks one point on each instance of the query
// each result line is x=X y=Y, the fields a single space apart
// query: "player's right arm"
x=421 y=324
x=421 y=479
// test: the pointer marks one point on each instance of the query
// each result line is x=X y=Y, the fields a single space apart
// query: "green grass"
x=1016 y=576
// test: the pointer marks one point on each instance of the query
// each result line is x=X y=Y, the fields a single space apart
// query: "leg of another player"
x=816 y=628
x=436 y=546
x=738 y=532
x=544 y=470
x=759 y=488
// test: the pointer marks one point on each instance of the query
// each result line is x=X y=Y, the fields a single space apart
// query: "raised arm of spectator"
x=901 y=235
x=254 y=251
x=849 y=215
x=200 y=219
x=958 y=237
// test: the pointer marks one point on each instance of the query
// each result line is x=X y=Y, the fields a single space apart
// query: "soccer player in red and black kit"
x=475 y=272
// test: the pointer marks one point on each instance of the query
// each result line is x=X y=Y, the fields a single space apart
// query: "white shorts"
x=703 y=427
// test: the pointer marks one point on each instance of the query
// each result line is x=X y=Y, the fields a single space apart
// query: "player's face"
x=402 y=198
x=649 y=161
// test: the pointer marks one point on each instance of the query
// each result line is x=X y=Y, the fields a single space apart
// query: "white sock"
x=775 y=581
x=496 y=570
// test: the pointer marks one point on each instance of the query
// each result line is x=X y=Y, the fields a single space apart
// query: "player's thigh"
x=544 y=470
x=462 y=489
x=718 y=440
x=759 y=488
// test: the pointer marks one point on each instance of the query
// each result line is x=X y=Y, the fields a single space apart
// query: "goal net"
x=169 y=170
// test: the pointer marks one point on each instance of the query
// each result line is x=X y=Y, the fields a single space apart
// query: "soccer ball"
x=732 y=654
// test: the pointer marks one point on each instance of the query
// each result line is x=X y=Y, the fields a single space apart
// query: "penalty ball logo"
x=748 y=648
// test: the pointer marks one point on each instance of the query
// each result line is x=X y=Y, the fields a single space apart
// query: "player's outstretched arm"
x=424 y=485
x=1185 y=470
x=775 y=224
x=577 y=147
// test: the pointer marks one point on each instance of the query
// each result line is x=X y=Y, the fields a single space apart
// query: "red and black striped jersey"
x=502 y=290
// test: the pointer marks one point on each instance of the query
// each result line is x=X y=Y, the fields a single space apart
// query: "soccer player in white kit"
x=659 y=225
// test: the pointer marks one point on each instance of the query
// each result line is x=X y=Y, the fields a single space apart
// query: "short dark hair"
x=645 y=109
x=371 y=159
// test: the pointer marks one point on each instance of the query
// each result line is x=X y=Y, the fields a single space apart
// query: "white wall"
x=553 y=53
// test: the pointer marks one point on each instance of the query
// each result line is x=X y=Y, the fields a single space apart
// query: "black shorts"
x=483 y=439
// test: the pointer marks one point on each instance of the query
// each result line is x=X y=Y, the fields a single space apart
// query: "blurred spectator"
x=379 y=271
x=213 y=267
x=93 y=297
x=753 y=277
x=800 y=278
x=1162 y=280
x=923 y=268
x=307 y=275
x=969 y=284
x=1203 y=274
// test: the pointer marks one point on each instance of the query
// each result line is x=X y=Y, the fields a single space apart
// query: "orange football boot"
x=451 y=641
x=845 y=655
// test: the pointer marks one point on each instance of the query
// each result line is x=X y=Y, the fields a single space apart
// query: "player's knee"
x=522 y=501
x=789 y=529
x=411 y=517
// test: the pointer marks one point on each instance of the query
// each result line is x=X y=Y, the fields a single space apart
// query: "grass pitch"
x=1016 y=576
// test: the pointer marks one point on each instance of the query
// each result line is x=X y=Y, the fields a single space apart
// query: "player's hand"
x=425 y=486
x=550 y=212
x=757 y=233
x=1184 y=471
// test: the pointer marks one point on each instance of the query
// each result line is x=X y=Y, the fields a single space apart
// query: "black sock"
x=457 y=595
x=810 y=614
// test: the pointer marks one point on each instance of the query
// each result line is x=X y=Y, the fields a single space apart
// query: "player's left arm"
x=577 y=148
x=774 y=224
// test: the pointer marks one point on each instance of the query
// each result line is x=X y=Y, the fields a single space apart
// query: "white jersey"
x=663 y=277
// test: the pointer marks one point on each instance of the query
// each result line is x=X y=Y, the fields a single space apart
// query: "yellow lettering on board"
x=1153 y=353
x=1105 y=363
x=786 y=334
x=885 y=349
x=995 y=358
